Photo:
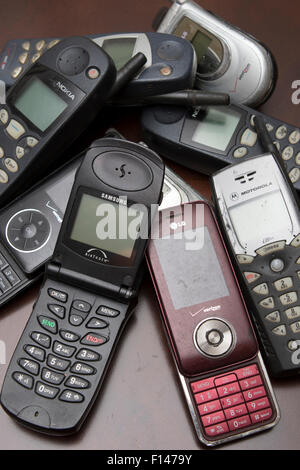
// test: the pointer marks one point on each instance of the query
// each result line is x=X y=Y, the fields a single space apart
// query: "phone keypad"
x=237 y=401
x=30 y=53
x=60 y=362
x=279 y=309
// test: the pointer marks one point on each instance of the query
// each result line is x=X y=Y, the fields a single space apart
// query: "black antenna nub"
x=266 y=141
x=188 y=98
x=127 y=72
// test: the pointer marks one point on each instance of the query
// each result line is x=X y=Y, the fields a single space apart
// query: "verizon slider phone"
x=259 y=216
x=49 y=107
x=171 y=61
x=206 y=322
x=229 y=60
x=29 y=228
x=208 y=139
x=89 y=290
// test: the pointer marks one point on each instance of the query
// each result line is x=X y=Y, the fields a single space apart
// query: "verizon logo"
x=215 y=308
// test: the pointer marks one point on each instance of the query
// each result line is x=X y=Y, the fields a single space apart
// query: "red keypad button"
x=239 y=423
x=234 y=400
x=258 y=405
x=236 y=411
x=261 y=416
x=213 y=419
x=255 y=394
x=217 y=430
x=225 y=380
x=247 y=372
x=206 y=396
x=251 y=382
x=228 y=389
x=203 y=385
x=211 y=407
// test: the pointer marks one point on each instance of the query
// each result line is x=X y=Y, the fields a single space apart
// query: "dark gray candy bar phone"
x=171 y=61
x=48 y=108
x=208 y=139
x=89 y=291
x=259 y=217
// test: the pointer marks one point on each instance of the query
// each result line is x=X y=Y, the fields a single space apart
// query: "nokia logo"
x=97 y=255
x=65 y=90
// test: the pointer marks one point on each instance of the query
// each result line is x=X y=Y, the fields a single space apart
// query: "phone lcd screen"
x=119 y=49
x=39 y=104
x=192 y=277
x=107 y=225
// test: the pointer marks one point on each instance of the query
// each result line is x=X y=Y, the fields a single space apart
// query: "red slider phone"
x=225 y=382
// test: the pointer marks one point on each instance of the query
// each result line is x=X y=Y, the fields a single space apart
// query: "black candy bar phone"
x=29 y=228
x=171 y=61
x=208 y=139
x=89 y=291
x=49 y=107
x=259 y=217
x=221 y=371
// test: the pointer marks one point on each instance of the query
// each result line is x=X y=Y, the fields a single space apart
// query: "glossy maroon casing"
x=181 y=324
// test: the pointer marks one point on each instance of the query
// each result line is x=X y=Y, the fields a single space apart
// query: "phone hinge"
x=99 y=286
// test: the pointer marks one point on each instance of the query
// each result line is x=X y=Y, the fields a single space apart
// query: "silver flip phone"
x=229 y=60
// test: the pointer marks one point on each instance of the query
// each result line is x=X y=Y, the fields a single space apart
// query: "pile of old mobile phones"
x=207 y=139
x=62 y=91
x=226 y=385
x=229 y=60
x=171 y=61
x=259 y=216
x=89 y=290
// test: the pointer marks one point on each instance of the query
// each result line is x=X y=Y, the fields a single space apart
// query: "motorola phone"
x=229 y=60
x=89 y=291
x=259 y=216
x=64 y=90
x=207 y=139
x=170 y=66
x=220 y=368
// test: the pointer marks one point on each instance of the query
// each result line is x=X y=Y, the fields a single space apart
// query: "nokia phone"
x=170 y=66
x=64 y=90
x=207 y=139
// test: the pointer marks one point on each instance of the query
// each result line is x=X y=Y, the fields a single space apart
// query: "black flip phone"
x=89 y=291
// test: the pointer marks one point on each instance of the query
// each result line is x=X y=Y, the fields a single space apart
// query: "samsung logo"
x=65 y=90
x=116 y=199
